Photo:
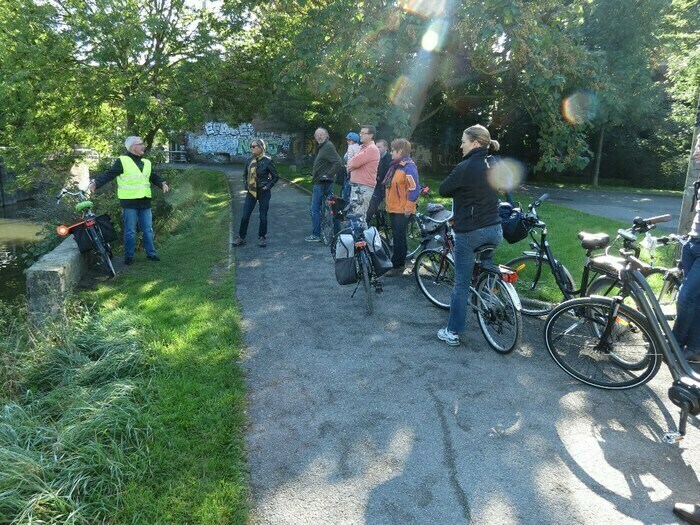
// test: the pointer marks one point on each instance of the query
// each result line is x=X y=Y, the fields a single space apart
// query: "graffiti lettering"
x=219 y=137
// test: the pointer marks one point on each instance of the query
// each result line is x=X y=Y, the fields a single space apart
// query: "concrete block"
x=53 y=277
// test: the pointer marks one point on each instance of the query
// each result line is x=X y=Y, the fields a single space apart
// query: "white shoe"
x=450 y=338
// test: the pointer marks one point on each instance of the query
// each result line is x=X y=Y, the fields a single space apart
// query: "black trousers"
x=399 y=222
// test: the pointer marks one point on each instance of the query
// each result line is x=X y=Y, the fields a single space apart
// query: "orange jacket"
x=404 y=191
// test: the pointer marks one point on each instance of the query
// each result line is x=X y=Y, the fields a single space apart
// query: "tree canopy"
x=579 y=87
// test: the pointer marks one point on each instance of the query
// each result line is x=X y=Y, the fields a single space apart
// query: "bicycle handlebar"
x=80 y=193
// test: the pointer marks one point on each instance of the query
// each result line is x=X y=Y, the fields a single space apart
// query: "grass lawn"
x=196 y=409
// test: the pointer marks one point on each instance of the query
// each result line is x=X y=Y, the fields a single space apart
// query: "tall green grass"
x=73 y=435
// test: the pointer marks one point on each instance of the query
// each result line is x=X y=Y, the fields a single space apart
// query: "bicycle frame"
x=685 y=391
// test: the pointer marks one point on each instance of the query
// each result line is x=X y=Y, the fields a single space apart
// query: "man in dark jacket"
x=379 y=189
x=134 y=179
x=326 y=165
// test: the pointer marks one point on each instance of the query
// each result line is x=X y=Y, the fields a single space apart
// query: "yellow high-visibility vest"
x=132 y=183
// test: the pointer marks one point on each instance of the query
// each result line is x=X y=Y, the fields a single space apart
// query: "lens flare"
x=506 y=174
x=399 y=92
x=430 y=40
x=580 y=107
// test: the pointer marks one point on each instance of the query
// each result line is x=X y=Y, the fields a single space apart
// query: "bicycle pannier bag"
x=81 y=238
x=345 y=270
x=514 y=229
x=106 y=227
x=380 y=259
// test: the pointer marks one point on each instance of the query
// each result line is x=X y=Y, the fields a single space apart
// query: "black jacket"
x=379 y=189
x=117 y=169
x=265 y=173
x=475 y=201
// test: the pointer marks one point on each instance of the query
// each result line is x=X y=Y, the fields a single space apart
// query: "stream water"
x=15 y=235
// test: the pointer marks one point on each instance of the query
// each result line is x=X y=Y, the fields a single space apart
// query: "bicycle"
x=361 y=254
x=542 y=277
x=671 y=278
x=605 y=343
x=88 y=233
x=492 y=296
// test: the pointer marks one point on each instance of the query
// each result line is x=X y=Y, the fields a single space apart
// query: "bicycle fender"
x=510 y=289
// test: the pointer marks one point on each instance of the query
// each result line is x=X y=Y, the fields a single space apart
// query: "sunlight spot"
x=581 y=107
x=658 y=491
x=498 y=508
x=506 y=174
x=430 y=40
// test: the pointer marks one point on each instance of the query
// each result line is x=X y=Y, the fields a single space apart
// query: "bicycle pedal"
x=672 y=437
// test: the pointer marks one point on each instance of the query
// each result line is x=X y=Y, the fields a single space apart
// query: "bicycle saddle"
x=593 y=241
x=83 y=205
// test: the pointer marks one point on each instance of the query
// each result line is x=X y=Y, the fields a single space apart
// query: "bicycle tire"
x=539 y=298
x=414 y=238
x=99 y=246
x=499 y=319
x=668 y=295
x=572 y=335
x=435 y=276
x=326 y=224
x=364 y=262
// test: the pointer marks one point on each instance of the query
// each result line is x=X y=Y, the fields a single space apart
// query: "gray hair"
x=323 y=131
x=130 y=141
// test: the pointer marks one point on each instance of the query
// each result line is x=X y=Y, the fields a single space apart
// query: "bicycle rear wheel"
x=537 y=297
x=499 y=319
x=628 y=358
x=366 y=283
x=102 y=251
x=435 y=276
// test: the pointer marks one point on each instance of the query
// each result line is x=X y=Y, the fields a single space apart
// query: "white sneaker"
x=450 y=338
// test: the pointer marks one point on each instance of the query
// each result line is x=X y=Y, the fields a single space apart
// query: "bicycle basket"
x=109 y=234
x=514 y=229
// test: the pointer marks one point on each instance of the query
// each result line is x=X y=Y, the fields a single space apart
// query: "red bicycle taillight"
x=360 y=244
x=89 y=223
x=508 y=275
x=63 y=230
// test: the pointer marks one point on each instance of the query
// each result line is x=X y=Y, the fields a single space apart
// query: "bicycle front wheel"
x=574 y=338
x=536 y=286
x=435 y=275
x=366 y=283
x=499 y=319
x=326 y=224
x=413 y=238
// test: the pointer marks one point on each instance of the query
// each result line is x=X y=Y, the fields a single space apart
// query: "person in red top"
x=363 y=168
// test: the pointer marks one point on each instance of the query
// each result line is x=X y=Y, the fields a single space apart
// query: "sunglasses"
x=254 y=146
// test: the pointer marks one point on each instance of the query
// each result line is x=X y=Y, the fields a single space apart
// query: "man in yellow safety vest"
x=134 y=179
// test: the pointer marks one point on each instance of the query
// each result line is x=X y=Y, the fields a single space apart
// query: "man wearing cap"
x=134 y=179
x=363 y=168
x=326 y=165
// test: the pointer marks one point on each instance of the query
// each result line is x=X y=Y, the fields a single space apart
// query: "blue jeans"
x=321 y=190
x=687 y=326
x=145 y=220
x=248 y=206
x=465 y=244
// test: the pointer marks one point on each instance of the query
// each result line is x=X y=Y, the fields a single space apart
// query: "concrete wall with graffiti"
x=220 y=142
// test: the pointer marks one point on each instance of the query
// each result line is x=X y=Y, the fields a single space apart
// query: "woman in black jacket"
x=260 y=175
x=476 y=220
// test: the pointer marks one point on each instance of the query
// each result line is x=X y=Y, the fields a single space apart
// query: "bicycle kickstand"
x=677 y=437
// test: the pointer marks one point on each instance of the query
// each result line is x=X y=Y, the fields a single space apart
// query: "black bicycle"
x=603 y=342
x=543 y=280
x=92 y=233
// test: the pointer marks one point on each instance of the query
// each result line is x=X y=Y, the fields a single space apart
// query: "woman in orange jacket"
x=402 y=191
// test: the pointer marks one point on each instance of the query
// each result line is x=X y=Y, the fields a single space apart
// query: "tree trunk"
x=598 y=155
x=693 y=173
